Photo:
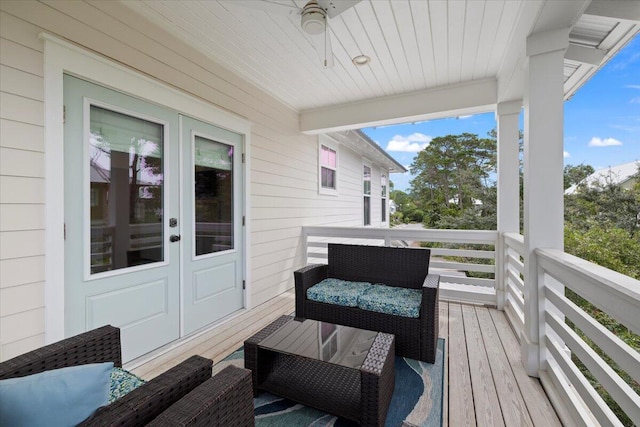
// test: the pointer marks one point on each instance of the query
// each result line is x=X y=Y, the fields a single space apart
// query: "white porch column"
x=507 y=117
x=543 y=182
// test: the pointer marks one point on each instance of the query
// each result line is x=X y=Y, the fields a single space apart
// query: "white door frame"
x=62 y=57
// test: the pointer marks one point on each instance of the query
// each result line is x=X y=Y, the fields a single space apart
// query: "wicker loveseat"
x=184 y=395
x=416 y=338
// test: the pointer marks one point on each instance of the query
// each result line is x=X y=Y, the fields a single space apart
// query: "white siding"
x=21 y=190
x=283 y=179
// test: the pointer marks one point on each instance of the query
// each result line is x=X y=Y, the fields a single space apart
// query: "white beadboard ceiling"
x=414 y=45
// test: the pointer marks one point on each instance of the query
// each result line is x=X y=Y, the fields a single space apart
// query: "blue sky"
x=602 y=121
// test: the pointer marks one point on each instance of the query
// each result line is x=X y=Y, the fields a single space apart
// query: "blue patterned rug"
x=416 y=401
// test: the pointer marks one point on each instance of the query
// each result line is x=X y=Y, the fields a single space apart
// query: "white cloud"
x=465 y=116
x=566 y=154
x=633 y=86
x=635 y=100
x=409 y=144
x=607 y=142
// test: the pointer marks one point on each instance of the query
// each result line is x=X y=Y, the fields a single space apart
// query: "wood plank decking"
x=486 y=384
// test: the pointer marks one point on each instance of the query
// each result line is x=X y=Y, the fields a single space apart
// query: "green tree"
x=607 y=204
x=451 y=173
x=575 y=174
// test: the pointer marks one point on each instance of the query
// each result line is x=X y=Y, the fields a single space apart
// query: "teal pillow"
x=60 y=397
x=122 y=383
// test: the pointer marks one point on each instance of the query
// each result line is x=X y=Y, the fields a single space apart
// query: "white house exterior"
x=281 y=170
x=249 y=89
x=623 y=175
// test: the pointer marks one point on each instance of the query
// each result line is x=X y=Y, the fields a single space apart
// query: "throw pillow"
x=122 y=383
x=60 y=397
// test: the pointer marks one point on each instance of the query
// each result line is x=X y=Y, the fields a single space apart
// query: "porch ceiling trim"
x=474 y=97
x=622 y=10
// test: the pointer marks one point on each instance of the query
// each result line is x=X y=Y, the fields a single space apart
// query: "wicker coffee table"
x=337 y=369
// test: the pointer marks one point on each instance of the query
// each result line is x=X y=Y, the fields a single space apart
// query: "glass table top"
x=323 y=341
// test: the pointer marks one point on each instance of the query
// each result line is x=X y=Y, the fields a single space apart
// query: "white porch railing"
x=577 y=401
x=455 y=282
x=513 y=274
x=613 y=293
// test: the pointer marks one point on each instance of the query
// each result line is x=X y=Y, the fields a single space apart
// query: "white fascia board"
x=622 y=10
x=585 y=54
x=445 y=101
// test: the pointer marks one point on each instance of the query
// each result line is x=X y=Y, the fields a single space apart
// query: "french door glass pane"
x=126 y=190
x=213 y=196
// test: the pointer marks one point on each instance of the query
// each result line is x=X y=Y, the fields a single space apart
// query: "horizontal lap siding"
x=21 y=188
x=283 y=176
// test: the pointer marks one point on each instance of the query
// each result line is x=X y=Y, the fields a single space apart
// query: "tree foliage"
x=451 y=175
x=575 y=174
x=601 y=226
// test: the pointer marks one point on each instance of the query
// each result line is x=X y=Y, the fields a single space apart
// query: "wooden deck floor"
x=486 y=384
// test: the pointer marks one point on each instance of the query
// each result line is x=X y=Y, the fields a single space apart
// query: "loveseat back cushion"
x=391 y=300
x=404 y=267
x=337 y=292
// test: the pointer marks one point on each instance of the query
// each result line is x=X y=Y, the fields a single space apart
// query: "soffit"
x=415 y=45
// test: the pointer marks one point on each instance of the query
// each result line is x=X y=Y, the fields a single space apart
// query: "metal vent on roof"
x=591 y=31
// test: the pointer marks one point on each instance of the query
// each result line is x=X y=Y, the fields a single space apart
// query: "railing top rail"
x=594 y=273
x=514 y=236
x=454 y=236
x=615 y=293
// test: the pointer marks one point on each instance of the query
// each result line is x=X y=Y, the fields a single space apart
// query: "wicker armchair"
x=186 y=391
x=416 y=338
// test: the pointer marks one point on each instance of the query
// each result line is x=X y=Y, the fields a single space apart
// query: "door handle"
x=174 y=238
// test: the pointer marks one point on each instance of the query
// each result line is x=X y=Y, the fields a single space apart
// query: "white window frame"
x=384 y=198
x=367 y=163
x=328 y=143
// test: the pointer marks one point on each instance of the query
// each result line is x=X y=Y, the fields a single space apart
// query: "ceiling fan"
x=314 y=19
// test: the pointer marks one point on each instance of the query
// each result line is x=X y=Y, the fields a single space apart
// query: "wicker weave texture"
x=96 y=346
x=225 y=400
x=103 y=345
x=404 y=267
x=378 y=381
x=362 y=395
x=148 y=401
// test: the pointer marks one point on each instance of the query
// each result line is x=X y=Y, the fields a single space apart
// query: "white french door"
x=212 y=211
x=130 y=259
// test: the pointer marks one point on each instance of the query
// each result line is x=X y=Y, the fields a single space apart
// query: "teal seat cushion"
x=391 y=300
x=123 y=382
x=338 y=292
x=56 y=398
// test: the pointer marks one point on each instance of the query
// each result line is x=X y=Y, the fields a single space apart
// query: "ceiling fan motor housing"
x=314 y=18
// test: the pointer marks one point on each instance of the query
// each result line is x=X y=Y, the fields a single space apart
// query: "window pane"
x=367 y=180
x=384 y=210
x=213 y=194
x=328 y=178
x=383 y=185
x=367 y=210
x=327 y=157
x=324 y=156
x=332 y=159
x=126 y=190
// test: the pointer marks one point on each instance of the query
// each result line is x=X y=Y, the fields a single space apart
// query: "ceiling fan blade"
x=336 y=7
x=267 y=6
